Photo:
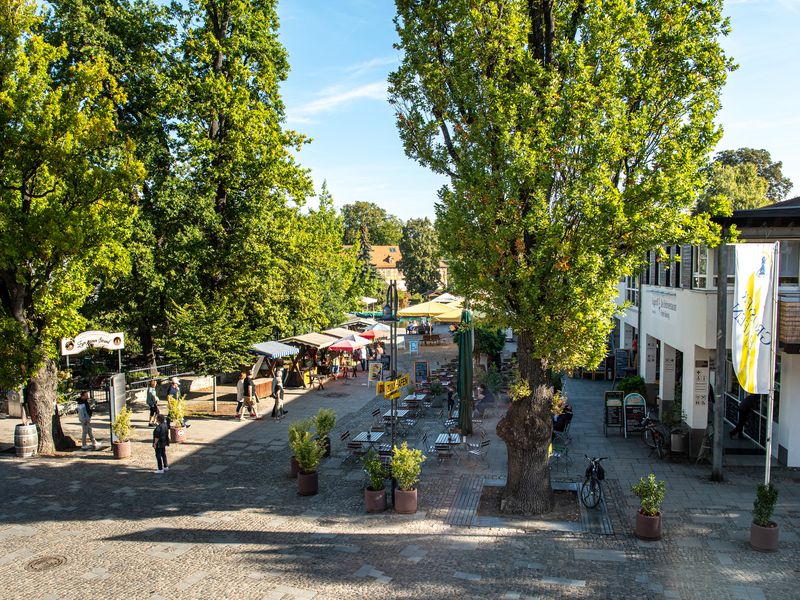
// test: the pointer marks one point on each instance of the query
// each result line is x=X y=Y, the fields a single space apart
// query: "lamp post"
x=390 y=314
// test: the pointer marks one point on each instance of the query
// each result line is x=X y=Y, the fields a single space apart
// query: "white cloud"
x=365 y=67
x=336 y=98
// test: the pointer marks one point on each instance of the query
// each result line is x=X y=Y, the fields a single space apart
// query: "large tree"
x=420 y=263
x=383 y=229
x=573 y=134
x=67 y=176
x=733 y=187
x=779 y=185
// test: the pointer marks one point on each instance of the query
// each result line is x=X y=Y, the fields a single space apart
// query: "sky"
x=341 y=53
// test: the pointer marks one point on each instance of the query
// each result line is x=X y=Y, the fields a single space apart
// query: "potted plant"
x=324 y=422
x=633 y=384
x=177 y=408
x=763 y=530
x=673 y=419
x=648 y=518
x=406 y=467
x=308 y=451
x=375 y=493
x=296 y=429
x=122 y=430
x=436 y=388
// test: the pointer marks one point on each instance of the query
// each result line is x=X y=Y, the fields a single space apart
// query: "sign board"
x=613 y=410
x=420 y=371
x=92 y=339
x=413 y=346
x=405 y=379
x=389 y=387
x=380 y=389
x=635 y=410
x=620 y=363
x=116 y=398
x=701 y=383
x=374 y=370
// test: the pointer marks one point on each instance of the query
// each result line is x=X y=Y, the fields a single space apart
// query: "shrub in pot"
x=122 y=430
x=375 y=493
x=648 y=519
x=633 y=385
x=406 y=468
x=763 y=530
x=436 y=388
x=324 y=422
x=308 y=452
x=176 y=411
x=296 y=429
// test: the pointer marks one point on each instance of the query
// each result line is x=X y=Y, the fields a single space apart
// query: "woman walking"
x=160 y=443
x=277 y=392
x=152 y=402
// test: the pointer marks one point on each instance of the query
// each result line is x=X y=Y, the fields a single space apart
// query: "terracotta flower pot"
x=648 y=528
x=375 y=501
x=177 y=435
x=121 y=449
x=307 y=483
x=764 y=539
x=405 y=502
x=294 y=467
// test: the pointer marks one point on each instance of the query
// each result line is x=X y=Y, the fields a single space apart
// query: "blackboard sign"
x=635 y=412
x=420 y=371
x=613 y=410
x=620 y=363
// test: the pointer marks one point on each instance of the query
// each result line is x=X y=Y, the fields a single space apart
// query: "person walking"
x=152 y=402
x=451 y=401
x=85 y=418
x=277 y=392
x=250 y=398
x=160 y=443
x=240 y=394
x=745 y=408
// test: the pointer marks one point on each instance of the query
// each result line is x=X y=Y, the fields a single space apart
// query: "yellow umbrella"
x=451 y=316
x=426 y=309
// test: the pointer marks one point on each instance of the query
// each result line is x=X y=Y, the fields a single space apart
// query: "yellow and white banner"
x=753 y=329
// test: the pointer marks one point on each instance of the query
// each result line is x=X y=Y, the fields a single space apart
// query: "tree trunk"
x=41 y=398
x=526 y=429
x=148 y=348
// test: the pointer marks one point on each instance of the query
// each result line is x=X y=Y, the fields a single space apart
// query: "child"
x=160 y=443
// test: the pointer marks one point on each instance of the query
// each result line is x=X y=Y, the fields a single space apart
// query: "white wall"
x=788 y=434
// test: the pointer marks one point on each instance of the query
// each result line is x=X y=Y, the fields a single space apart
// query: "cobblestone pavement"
x=226 y=522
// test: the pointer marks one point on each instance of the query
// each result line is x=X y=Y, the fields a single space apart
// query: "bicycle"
x=592 y=488
x=655 y=436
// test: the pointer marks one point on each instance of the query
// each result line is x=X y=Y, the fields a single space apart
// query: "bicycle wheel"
x=647 y=436
x=591 y=492
x=658 y=441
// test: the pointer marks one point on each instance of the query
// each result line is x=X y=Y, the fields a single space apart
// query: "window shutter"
x=686 y=266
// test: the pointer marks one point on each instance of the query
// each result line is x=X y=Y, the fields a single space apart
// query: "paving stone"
x=216 y=469
x=563 y=582
x=283 y=592
x=725 y=559
x=191 y=580
x=601 y=555
x=467 y=576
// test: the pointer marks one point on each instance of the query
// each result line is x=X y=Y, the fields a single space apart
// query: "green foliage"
x=68 y=175
x=419 y=246
x=176 y=409
x=633 y=384
x=779 y=185
x=568 y=156
x=375 y=471
x=407 y=466
x=764 y=504
x=732 y=188
x=519 y=388
x=674 y=416
x=122 y=425
x=298 y=428
x=436 y=387
x=324 y=422
x=494 y=379
x=308 y=451
x=489 y=340
x=651 y=495
x=559 y=403
x=381 y=228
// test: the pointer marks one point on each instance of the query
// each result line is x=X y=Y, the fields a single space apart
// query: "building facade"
x=385 y=259
x=669 y=326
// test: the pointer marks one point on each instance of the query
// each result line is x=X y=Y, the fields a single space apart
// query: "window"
x=700 y=267
x=632 y=289
x=730 y=260
x=789 y=263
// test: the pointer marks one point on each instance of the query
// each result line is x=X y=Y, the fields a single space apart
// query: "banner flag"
x=753 y=329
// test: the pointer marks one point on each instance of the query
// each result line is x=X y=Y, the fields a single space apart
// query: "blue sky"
x=341 y=52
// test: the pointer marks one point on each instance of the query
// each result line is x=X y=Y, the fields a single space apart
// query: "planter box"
x=121 y=449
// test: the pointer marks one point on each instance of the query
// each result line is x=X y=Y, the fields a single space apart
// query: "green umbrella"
x=466 y=343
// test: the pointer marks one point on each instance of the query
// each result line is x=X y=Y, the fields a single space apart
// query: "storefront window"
x=789 y=263
x=700 y=267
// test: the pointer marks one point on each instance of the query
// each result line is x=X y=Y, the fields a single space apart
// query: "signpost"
x=613 y=410
x=635 y=410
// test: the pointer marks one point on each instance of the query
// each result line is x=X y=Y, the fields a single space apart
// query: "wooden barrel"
x=26 y=440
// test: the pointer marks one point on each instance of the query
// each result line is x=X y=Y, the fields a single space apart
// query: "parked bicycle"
x=592 y=488
x=655 y=435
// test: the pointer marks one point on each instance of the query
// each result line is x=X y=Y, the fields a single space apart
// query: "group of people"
x=246 y=396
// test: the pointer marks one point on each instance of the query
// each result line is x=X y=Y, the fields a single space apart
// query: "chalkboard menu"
x=635 y=411
x=620 y=363
x=420 y=371
x=613 y=410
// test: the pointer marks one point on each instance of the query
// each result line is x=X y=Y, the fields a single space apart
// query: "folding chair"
x=562 y=437
x=445 y=452
x=560 y=455
x=376 y=415
x=356 y=450
x=482 y=450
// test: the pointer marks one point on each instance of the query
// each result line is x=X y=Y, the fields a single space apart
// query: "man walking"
x=85 y=418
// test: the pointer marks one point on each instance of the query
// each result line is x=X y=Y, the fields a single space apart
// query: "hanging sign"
x=405 y=379
x=380 y=387
x=92 y=339
x=635 y=409
x=752 y=332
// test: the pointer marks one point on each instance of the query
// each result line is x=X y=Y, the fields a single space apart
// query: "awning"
x=315 y=340
x=338 y=332
x=426 y=309
x=273 y=349
x=446 y=298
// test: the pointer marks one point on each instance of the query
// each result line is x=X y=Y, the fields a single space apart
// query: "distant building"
x=385 y=259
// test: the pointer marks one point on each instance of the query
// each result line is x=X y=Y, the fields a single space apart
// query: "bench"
x=431 y=338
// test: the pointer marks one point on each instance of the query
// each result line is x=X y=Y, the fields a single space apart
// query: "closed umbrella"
x=466 y=343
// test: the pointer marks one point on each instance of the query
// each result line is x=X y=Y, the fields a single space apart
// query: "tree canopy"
x=573 y=134
x=733 y=187
x=420 y=263
x=779 y=185
x=383 y=229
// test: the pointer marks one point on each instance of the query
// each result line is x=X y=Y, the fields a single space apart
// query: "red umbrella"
x=374 y=334
x=349 y=343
